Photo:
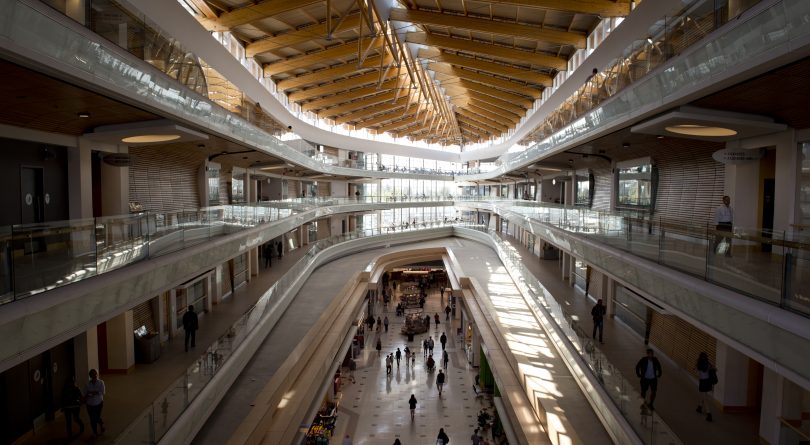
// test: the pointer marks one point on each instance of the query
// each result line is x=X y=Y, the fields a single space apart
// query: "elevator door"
x=31 y=195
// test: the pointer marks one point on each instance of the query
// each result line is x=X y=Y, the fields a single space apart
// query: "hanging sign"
x=738 y=155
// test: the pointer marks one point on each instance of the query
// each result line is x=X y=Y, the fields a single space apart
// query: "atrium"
x=233 y=212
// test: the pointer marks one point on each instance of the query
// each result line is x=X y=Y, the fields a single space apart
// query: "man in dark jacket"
x=190 y=325
x=71 y=401
x=598 y=315
x=648 y=369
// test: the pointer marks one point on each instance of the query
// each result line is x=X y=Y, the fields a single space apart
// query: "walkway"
x=677 y=391
x=128 y=395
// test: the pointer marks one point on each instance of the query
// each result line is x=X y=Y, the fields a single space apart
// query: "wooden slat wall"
x=690 y=183
x=324 y=188
x=164 y=180
x=142 y=315
x=681 y=341
x=603 y=188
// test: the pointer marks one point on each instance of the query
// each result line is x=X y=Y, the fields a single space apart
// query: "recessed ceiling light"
x=701 y=130
x=83 y=115
x=151 y=138
x=659 y=137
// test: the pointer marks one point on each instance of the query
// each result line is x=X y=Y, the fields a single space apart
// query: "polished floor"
x=374 y=408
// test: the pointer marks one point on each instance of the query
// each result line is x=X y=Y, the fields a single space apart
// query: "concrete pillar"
x=80 y=180
x=216 y=284
x=609 y=292
x=115 y=188
x=163 y=308
x=253 y=262
x=732 y=386
x=85 y=353
x=120 y=342
x=476 y=347
x=742 y=181
x=565 y=262
x=173 y=313
x=77 y=10
x=771 y=407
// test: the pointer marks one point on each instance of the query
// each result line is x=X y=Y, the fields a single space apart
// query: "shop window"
x=636 y=183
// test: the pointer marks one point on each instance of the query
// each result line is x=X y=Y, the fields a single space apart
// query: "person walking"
x=443 y=341
x=398 y=356
x=94 y=398
x=442 y=438
x=436 y=319
x=190 y=325
x=412 y=404
x=267 y=252
x=347 y=440
x=598 y=314
x=648 y=369
x=71 y=402
x=379 y=347
x=724 y=225
x=447 y=311
x=379 y=323
x=385 y=323
x=475 y=438
x=389 y=363
x=280 y=249
x=430 y=345
x=440 y=381
x=397 y=442
x=445 y=359
x=707 y=378
x=424 y=347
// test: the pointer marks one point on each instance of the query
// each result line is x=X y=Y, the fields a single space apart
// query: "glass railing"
x=634 y=81
x=164 y=411
x=647 y=424
x=770 y=265
x=39 y=257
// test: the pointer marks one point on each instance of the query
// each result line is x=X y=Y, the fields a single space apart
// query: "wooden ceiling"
x=444 y=71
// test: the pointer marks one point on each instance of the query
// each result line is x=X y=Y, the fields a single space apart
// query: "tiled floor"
x=374 y=410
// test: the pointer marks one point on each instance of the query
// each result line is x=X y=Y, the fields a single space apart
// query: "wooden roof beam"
x=332 y=73
x=340 y=85
x=391 y=115
x=351 y=106
x=483 y=89
x=305 y=60
x=602 y=8
x=405 y=121
x=370 y=111
x=458 y=91
x=489 y=67
x=478 y=118
x=298 y=36
x=497 y=27
x=477 y=124
x=253 y=13
x=507 y=119
x=450 y=70
x=349 y=96
x=488 y=49
x=477 y=104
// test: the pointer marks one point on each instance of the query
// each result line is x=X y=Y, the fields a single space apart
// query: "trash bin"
x=147 y=348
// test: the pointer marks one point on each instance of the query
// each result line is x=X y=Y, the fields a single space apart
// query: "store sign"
x=738 y=155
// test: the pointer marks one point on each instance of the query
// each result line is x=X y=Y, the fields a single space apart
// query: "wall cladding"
x=163 y=179
x=681 y=341
x=690 y=182
x=603 y=188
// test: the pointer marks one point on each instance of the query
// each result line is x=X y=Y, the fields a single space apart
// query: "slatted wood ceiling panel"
x=690 y=184
x=164 y=180
x=681 y=341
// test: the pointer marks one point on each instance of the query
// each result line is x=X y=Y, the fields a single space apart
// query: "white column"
x=80 y=180
x=115 y=187
x=742 y=183
x=732 y=368
x=85 y=353
x=120 y=342
x=771 y=407
x=253 y=262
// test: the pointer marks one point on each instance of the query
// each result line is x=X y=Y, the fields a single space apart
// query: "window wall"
x=635 y=184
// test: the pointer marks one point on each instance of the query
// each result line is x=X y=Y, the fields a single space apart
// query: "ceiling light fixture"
x=83 y=114
x=700 y=130
x=150 y=138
